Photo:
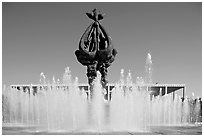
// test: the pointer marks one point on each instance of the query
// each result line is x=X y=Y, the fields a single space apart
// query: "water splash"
x=63 y=107
x=148 y=69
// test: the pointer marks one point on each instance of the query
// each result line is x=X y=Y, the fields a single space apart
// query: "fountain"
x=55 y=108
x=62 y=107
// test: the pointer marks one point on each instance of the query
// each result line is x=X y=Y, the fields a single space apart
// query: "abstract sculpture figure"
x=95 y=49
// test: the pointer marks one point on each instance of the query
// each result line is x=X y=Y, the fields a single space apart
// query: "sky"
x=42 y=37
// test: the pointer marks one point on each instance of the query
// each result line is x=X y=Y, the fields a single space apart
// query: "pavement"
x=153 y=130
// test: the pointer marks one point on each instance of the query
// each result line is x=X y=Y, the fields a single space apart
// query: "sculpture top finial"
x=95 y=15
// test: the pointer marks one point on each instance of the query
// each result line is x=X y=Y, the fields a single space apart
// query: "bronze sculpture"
x=95 y=49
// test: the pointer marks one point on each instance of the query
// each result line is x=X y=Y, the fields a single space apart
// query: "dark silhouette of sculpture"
x=95 y=49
